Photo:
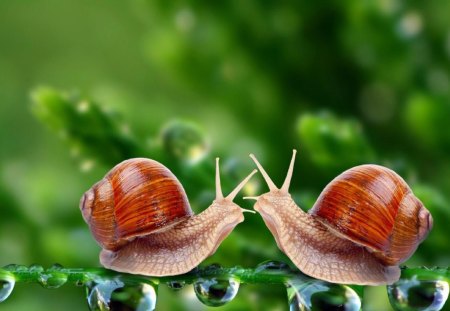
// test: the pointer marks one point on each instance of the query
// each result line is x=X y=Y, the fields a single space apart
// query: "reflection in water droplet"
x=320 y=295
x=176 y=285
x=112 y=295
x=185 y=140
x=53 y=277
x=51 y=280
x=7 y=282
x=99 y=294
x=406 y=295
x=271 y=265
x=216 y=292
x=36 y=269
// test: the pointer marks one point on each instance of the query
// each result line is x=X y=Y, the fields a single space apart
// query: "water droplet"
x=7 y=282
x=235 y=169
x=184 y=140
x=53 y=277
x=414 y=294
x=56 y=267
x=216 y=292
x=141 y=298
x=36 y=269
x=99 y=294
x=113 y=295
x=271 y=265
x=320 y=295
x=51 y=280
x=176 y=285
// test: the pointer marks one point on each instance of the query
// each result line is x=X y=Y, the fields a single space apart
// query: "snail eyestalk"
x=233 y=193
x=264 y=173
x=287 y=181
x=219 y=194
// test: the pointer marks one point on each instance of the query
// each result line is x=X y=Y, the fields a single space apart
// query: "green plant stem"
x=244 y=275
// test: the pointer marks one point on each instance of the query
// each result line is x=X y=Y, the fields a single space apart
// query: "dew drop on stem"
x=320 y=295
x=36 y=269
x=185 y=141
x=272 y=266
x=7 y=283
x=53 y=277
x=52 y=280
x=216 y=292
x=421 y=295
x=114 y=295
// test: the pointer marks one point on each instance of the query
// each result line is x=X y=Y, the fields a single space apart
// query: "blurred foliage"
x=90 y=131
x=333 y=144
x=184 y=82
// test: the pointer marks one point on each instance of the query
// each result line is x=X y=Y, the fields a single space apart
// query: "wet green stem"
x=244 y=275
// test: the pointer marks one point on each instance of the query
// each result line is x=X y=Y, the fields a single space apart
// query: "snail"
x=140 y=215
x=363 y=225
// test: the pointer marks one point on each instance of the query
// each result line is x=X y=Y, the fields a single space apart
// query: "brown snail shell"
x=140 y=215
x=373 y=206
x=137 y=197
x=364 y=223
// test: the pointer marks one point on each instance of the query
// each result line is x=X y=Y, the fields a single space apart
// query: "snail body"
x=363 y=225
x=140 y=215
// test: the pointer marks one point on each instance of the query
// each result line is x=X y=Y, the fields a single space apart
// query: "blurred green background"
x=86 y=84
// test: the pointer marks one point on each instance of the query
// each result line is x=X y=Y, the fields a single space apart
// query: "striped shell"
x=374 y=207
x=137 y=197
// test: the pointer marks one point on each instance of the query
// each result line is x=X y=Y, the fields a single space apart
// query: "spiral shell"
x=373 y=206
x=137 y=197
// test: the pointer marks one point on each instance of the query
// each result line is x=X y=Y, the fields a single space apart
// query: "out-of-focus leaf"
x=427 y=118
x=333 y=143
x=93 y=134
